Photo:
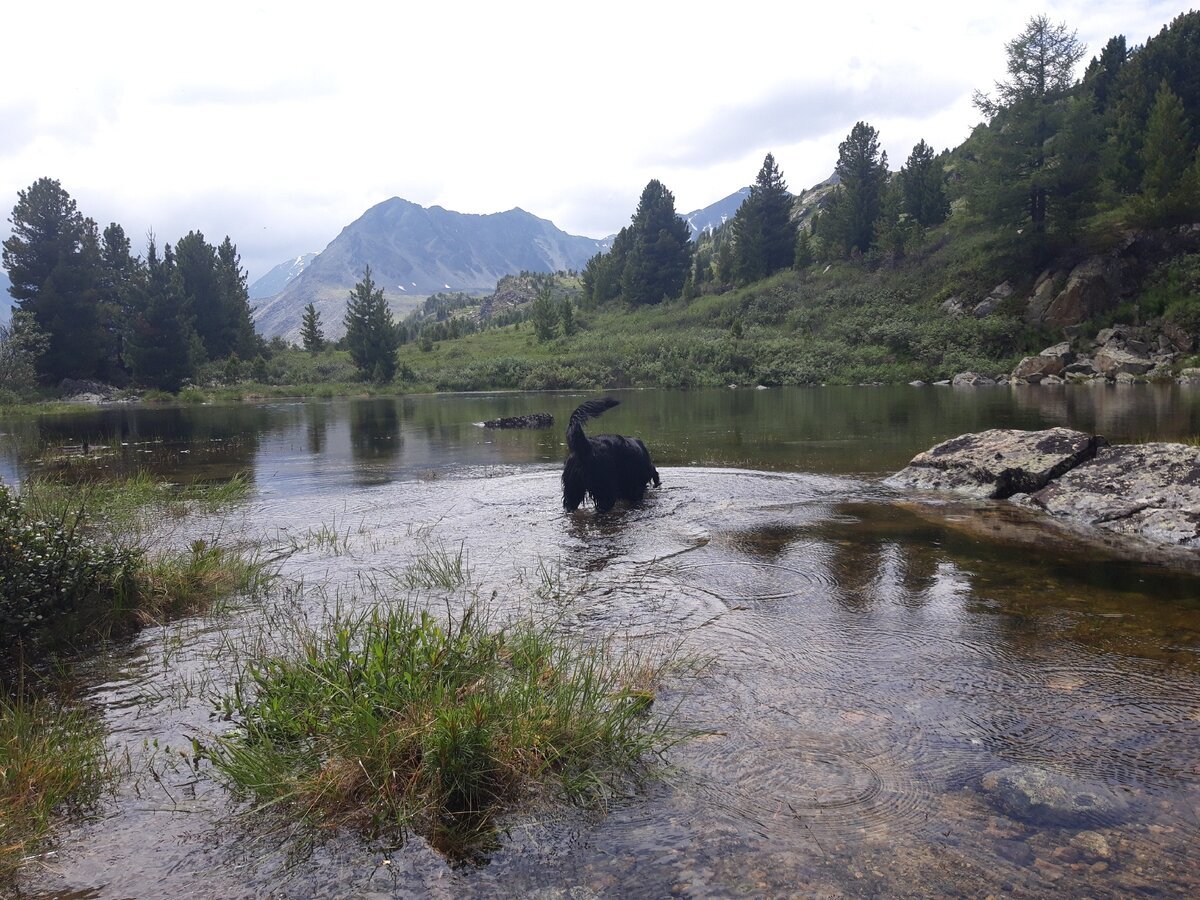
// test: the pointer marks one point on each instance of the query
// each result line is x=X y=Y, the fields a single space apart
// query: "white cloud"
x=279 y=127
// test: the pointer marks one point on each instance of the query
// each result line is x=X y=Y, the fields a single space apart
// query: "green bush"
x=50 y=571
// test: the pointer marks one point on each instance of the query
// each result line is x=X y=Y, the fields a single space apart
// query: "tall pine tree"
x=923 y=186
x=370 y=332
x=163 y=347
x=1021 y=172
x=764 y=232
x=854 y=211
x=52 y=259
x=310 y=330
x=660 y=251
x=1168 y=193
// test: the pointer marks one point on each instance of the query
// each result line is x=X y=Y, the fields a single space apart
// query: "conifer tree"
x=163 y=347
x=1168 y=191
x=544 y=314
x=660 y=249
x=863 y=171
x=764 y=233
x=1016 y=179
x=370 y=332
x=923 y=183
x=52 y=260
x=310 y=330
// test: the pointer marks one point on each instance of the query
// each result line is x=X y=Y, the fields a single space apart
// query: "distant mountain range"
x=414 y=252
x=277 y=279
x=716 y=214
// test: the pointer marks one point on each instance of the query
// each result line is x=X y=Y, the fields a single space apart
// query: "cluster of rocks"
x=532 y=420
x=76 y=390
x=1145 y=491
x=1122 y=354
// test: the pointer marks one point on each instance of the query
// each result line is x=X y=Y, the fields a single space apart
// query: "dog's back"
x=606 y=467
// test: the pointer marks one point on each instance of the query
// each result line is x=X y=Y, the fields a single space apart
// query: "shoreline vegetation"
x=82 y=564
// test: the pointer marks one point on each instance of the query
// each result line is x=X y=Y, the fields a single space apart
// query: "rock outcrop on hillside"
x=1149 y=492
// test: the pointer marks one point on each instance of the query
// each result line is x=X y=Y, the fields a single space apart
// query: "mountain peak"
x=415 y=251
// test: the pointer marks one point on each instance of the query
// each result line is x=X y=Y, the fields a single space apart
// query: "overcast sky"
x=280 y=123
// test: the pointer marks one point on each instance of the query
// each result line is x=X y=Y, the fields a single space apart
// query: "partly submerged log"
x=532 y=420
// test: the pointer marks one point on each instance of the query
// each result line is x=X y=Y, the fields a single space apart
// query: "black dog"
x=607 y=467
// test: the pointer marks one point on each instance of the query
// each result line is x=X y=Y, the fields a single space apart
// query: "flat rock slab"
x=1045 y=797
x=1150 y=491
x=993 y=465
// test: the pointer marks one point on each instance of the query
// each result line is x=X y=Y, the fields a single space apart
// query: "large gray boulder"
x=1151 y=491
x=1051 y=361
x=1111 y=361
x=1092 y=287
x=998 y=463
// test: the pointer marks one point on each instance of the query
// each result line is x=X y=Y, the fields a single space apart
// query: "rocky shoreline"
x=1122 y=354
x=1148 y=493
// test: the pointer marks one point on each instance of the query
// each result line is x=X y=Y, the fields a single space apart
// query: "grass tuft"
x=392 y=719
x=51 y=757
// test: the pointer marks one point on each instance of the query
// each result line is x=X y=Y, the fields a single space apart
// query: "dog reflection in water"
x=607 y=467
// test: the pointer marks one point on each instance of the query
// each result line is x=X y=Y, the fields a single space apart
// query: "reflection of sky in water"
x=869 y=665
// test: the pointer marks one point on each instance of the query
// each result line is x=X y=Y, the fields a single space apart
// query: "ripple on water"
x=829 y=783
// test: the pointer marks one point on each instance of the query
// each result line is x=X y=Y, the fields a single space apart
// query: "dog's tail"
x=577 y=441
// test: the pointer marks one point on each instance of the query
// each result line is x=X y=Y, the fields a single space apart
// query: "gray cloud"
x=800 y=112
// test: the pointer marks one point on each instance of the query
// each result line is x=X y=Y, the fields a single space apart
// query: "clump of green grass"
x=51 y=757
x=438 y=567
x=393 y=719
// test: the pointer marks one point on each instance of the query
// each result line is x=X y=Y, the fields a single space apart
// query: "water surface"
x=872 y=662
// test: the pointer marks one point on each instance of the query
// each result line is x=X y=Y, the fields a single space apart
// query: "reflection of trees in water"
x=206 y=443
x=1122 y=412
x=881 y=554
x=375 y=440
x=317 y=427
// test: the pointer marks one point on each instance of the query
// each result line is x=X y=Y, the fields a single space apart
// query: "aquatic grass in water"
x=51 y=756
x=438 y=567
x=392 y=719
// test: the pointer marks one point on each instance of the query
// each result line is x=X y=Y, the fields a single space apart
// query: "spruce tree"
x=923 y=183
x=163 y=347
x=52 y=259
x=1167 y=156
x=764 y=233
x=310 y=330
x=855 y=207
x=370 y=332
x=660 y=251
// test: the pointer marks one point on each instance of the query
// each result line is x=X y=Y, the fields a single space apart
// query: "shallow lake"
x=881 y=672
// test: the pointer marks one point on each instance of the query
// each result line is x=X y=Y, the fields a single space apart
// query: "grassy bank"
x=392 y=719
x=76 y=568
x=52 y=758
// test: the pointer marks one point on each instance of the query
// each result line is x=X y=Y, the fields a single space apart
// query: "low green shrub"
x=51 y=571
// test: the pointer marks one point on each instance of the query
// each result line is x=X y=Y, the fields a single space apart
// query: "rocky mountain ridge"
x=414 y=252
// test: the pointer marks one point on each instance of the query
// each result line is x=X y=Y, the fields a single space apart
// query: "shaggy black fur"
x=607 y=467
